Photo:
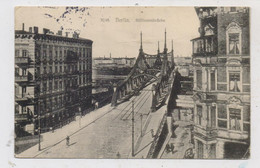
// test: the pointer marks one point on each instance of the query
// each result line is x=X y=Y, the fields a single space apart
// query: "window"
x=212 y=81
x=16 y=71
x=60 y=85
x=56 y=85
x=234 y=82
x=44 y=87
x=60 y=68
x=16 y=109
x=246 y=118
x=56 y=68
x=16 y=90
x=213 y=116
x=23 y=109
x=233 y=9
x=222 y=116
x=44 y=70
x=50 y=69
x=55 y=102
x=50 y=85
x=50 y=54
x=23 y=91
x=60 y=54
x=233 y=38
x=234 y=43
x=44 y=54
x=38 y=70
x=199 y=113
x=199 y=79
x=56 y=54
x=200 y=150
x=24 y=53
x=84 y=52
x=235 y=120
x=24 y=72
x=209 y=45
x=17 y=53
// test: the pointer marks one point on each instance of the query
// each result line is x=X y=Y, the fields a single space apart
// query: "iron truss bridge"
x=156 y=69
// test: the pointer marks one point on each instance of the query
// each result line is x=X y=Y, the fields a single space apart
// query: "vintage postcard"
x=132 y=82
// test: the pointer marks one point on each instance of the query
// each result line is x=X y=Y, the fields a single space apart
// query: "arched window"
x=233 y=38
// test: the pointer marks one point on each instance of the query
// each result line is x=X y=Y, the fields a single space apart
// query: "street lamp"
x=141 y=124
x=133 y=129
x=80 y=116
x=39 y=125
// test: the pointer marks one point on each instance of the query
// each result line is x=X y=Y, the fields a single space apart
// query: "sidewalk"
x=181 y=141
x=144 y=143
x=50 y=139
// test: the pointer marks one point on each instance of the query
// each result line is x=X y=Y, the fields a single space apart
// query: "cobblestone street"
x=107 y=137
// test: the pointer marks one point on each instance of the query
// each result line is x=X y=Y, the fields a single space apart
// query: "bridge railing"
x=156 y=137
x=139 y=76
x=160 y=88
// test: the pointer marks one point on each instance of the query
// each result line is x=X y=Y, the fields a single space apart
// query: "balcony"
x=208 y=133
x=204 y=46
x=205 y=132
x=21 y=60
x=23 y=78
x=23 y=97
x=20 y=98
x=20 y=117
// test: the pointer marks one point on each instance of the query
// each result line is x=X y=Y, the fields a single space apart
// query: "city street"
x=109 y=136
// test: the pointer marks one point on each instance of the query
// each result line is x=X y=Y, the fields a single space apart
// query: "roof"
x=51 y=36
x=203 y=37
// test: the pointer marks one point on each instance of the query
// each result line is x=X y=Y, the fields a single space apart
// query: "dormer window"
x=208 y=30
x=233 y=9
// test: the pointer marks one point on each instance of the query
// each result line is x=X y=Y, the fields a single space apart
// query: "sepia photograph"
x=132 y=82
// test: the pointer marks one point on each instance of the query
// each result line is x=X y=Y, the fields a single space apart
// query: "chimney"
x=35 y=30
x=67 y=34
x=23 y=27
x=45 y=31
x=30 y=29
x=59 y=33
x=75 y=35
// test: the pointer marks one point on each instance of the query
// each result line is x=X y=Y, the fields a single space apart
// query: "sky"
x=115 y=29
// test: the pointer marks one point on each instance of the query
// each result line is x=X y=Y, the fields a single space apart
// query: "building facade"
x=221 y=65
x=53 y=76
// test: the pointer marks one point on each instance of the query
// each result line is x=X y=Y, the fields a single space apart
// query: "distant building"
x=107 y=71
x=184 y=65
x=221 y=59
x=53 y=78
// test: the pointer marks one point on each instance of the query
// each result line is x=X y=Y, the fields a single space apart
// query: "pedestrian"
x=168 y=148
x=68 y=140
x=172 y=148
x=118 y=155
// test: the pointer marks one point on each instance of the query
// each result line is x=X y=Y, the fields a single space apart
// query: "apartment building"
x=53 y=76
x=221 y=65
